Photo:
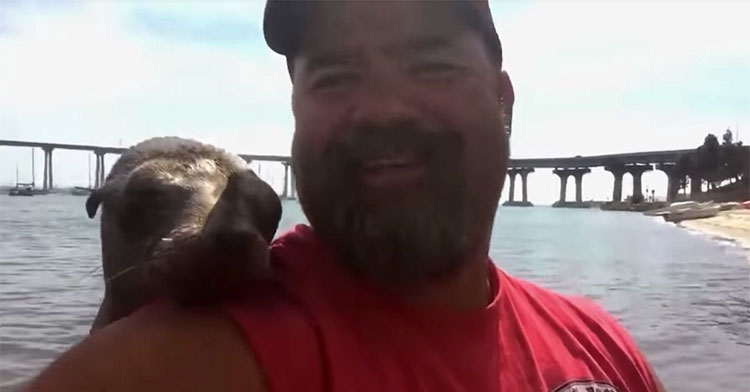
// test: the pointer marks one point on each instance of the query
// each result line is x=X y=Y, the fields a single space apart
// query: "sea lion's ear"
x=92 y=203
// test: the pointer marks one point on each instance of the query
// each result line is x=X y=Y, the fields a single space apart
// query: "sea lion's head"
x=184 y=218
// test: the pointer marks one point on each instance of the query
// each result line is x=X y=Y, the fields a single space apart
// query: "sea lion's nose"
x=232 y=224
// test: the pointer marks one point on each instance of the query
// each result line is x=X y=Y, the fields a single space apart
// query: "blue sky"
x=591 y=77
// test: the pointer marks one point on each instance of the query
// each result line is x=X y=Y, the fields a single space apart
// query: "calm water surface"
x=684 y=297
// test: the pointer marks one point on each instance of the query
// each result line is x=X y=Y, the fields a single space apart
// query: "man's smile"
x=396 y=170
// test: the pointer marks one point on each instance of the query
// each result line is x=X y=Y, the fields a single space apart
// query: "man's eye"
x=434 y=69
x=333 y=80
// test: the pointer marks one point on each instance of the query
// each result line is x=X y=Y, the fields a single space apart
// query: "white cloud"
x=88 y=75
x=591 y=77
x=61 y=59
x=574 y=45
x=617 y=76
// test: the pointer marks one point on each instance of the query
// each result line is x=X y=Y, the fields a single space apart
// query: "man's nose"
x=383 y=102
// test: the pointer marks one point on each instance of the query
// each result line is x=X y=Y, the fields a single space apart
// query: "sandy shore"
x=733 y=225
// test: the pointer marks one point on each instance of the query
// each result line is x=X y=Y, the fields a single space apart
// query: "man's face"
x=399 y=149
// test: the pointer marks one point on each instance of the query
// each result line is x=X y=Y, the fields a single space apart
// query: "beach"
x=732 y=225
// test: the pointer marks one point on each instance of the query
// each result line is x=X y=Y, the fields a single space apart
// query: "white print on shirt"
x=585 y=386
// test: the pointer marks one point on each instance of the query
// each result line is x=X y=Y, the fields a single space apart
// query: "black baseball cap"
x=284 y=23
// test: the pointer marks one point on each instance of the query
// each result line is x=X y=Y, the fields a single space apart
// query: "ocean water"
x=684 y=297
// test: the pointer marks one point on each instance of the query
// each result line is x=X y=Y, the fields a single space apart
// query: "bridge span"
x=101 y=151
x=635 y=163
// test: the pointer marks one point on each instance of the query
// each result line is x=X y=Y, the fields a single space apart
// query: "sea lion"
x=180 y=219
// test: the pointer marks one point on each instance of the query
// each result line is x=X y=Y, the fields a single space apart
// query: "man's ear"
x=506 y=97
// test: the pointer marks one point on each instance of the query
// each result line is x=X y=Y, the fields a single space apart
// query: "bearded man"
x=400 y=151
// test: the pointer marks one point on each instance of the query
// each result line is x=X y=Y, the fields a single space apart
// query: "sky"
x=591 y=77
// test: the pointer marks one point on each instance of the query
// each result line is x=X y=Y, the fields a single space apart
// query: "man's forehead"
x=330 y=53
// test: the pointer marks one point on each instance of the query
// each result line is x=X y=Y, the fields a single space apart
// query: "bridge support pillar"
x=617 y=171
x=293 y=186
x=512 y=173
x=285 y=193
x=696 y=186
x=48 y=180
x=99 y=175
x=97 y=185
x=563 y=184
x=524 y=176
x=578 y=174
x=579 y=186
x=512 y=191
x=673 y=179
x=103 y=171
x=637 y=170
x=673 y=187
x=46 y=166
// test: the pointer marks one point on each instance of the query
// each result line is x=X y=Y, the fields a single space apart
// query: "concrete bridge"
x=618 y=164
x=635 y=163
x=101 y=151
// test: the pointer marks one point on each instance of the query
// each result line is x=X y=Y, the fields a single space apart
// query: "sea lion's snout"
x=247 y=207
x=231 y=248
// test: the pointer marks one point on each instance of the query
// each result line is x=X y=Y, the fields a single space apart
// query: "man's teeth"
x=388 y=162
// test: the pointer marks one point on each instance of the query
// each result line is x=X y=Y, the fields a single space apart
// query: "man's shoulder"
x=575 y=313
x=283 y=335
x=580 y=325
x=541 y=299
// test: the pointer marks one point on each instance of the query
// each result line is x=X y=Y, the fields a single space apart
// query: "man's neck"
x=466 y=289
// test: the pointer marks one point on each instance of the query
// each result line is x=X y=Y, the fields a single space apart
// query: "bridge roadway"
x=120 y=150
x=618 y=164
x=650 y=157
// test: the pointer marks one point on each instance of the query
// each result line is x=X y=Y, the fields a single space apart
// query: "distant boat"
x=730 y=205
x=26 y=189
x=701 y=211
x=671 y=208
x=20 y=190
x=82 y=191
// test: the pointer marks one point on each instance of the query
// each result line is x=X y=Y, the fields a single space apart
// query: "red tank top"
x=320 y=329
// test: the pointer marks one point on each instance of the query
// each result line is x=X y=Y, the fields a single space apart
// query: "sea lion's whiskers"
x=160 y=253
x=123 y=272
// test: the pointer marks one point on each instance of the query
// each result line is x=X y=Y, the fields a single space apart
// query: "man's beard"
x=426 y=231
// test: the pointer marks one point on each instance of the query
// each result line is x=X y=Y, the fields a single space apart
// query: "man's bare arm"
x=163 y=348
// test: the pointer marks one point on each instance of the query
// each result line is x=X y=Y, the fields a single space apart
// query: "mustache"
x=431 y=147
